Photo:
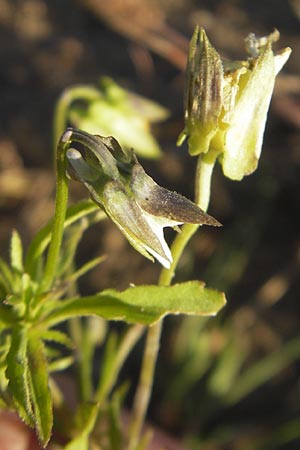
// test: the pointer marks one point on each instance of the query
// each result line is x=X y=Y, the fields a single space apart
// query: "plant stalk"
x=87 y=93
x=61 y=203
x=59 y=125
x=142 y=397
x=128 y=342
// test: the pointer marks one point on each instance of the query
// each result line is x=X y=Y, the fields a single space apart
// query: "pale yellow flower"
x=226 y=103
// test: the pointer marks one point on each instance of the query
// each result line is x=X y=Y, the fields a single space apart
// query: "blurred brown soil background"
x=46 y=46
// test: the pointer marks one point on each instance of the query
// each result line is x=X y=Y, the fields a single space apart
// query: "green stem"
x=144 y=389
x=85 y=353
x=61 y=202
x=70 y=95
x=60 y=122
x=128 y=342
x=142 y=397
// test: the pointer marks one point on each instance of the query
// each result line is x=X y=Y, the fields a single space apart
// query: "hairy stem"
x=202 y=196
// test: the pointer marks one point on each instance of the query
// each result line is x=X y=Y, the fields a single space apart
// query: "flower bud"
x=203 y=93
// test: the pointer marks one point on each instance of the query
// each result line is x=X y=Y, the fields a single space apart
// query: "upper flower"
x=226 y=103
x=131 y=198
x=121 y=113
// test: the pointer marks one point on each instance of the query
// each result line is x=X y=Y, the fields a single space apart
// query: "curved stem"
x=64 y=102
x=142 y=397
x=60 y=122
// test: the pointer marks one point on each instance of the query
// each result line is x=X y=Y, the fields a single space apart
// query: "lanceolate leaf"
x=16 y=252
x=60 y=364
x=143 y=304
x=40 y=392
x=7 y=277
x=59 y=337
x=17 y=374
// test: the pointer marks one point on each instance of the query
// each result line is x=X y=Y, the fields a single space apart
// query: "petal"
x=281 y=58
x=82 y=170
x=243 y=139
x=101 y=152
x=171 y=207
x=157 y=226
x=144 y=235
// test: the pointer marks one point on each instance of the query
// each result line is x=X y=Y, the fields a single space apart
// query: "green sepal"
x=203 y=93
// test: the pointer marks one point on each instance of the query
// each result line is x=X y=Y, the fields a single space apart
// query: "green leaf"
x=145 y=440
x=27 y=288
x=81 y=442
x=280 y=436
x=85 y=268
x=16 y=252
x=17 y=374
x=86 y=419
x=40 y=392
x=143 y=304
x=86 y=335
x=115 y=418
x=7 y=277
x=224 y=375
x=263 y=370
x=72 y=237
x=107 y=366
x=60 y=364
x=113 y=361
x=59 y=337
